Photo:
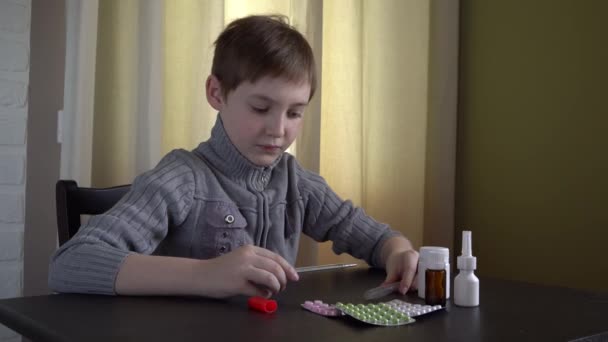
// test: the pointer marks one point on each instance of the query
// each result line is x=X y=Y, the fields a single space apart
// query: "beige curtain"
x=367 y=130
x=374 y=108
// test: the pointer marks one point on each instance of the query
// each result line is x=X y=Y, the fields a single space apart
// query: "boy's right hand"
x=248 y=270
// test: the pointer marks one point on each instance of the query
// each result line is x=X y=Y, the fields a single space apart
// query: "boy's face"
x=262 y=119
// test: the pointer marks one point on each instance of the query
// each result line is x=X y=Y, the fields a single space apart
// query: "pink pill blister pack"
x=321 y=308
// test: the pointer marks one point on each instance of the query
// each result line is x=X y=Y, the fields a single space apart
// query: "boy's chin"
x=263 y=160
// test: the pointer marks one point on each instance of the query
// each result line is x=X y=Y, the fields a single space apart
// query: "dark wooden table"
x=509 y=311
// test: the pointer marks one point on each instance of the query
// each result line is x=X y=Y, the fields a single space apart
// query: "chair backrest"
x=74 y=201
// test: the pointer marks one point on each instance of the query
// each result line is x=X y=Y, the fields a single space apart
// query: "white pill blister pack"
x=412 y=310
x=393 y=313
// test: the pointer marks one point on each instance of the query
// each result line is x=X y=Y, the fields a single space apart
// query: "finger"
x=263 y=279
x=287 y=268
x=273 y=267
x=391 y=278
x=406 y=280
x=289 y=271
x=414 y=285
x=253 y=290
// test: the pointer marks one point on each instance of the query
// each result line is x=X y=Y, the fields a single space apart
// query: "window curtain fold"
x=367 y=130
x=374 y=109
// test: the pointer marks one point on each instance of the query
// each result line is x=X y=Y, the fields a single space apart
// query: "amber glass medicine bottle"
x=435 y=280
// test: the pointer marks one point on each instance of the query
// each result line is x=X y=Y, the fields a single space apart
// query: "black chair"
x=74 y=201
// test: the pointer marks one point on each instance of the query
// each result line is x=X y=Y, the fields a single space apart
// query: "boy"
x=226 y=218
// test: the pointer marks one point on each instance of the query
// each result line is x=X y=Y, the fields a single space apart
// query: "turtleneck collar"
x=222 y=153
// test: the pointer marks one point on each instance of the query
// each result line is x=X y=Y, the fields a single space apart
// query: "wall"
x=14 y=79
x=532 y=164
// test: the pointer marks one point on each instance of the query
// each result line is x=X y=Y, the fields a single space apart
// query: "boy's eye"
x=295 y=115
x=259 y=109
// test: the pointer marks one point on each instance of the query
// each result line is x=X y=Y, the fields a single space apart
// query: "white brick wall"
x=12 y=56
x=12 y=93
x=13 y=17
x=11 y=208
x=12 y=168
x=10 y=280
x=12 y=131
x=12 y=246
x=14 y=79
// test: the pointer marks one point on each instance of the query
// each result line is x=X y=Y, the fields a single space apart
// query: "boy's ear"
x=213 y=90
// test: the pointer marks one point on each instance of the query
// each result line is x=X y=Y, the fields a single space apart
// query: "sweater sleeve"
x=89 y=262
x=328 y=217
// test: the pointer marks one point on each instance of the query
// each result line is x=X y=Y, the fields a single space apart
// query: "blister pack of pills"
x=376 y=314
x=393 y=313
x=412 y=310
x=321 y=308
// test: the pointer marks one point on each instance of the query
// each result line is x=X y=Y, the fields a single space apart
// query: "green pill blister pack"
x=376 y=314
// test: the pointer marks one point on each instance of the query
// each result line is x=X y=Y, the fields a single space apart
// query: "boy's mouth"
x=270 y=148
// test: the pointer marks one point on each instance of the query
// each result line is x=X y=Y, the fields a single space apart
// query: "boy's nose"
x=275 y=126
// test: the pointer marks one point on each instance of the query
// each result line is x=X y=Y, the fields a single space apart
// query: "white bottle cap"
x=426 y=250
x=466 y=261
x=436 y=261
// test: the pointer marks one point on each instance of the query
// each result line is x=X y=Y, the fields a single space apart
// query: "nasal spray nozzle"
x=467 y=250
x=466 y=284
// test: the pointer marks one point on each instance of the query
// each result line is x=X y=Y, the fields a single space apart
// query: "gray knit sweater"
x=207 y=202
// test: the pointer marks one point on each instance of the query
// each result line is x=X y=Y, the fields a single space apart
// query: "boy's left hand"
x=401 y=265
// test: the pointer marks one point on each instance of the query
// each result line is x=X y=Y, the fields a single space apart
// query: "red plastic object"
x=262 y=304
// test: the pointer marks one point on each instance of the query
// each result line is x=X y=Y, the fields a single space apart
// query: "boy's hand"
x=248 y=270
x=402 y=265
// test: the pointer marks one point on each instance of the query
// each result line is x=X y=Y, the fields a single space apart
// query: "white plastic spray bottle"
x=466 y=284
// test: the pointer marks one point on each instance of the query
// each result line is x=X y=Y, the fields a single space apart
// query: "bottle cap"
x=262 y=304
x=466 y=261
x=435 y=261
x=426 y=250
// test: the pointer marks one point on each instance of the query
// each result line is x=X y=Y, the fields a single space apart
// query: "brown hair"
x=262 y=45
